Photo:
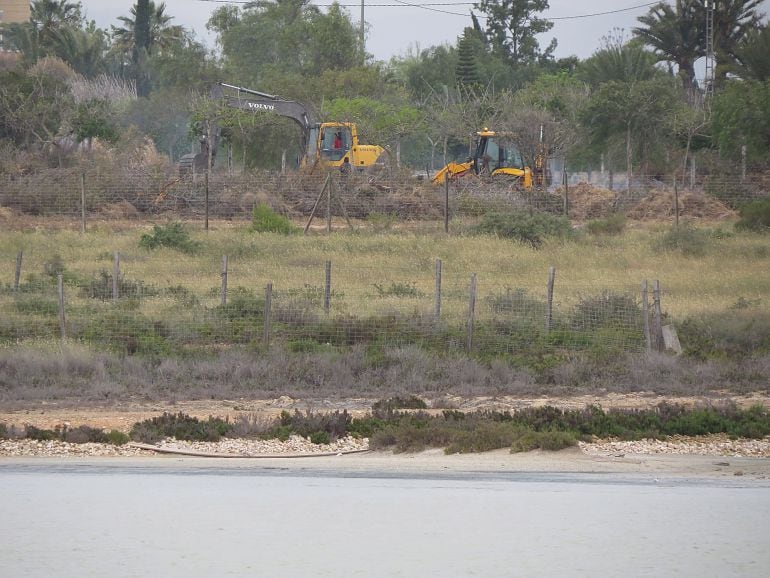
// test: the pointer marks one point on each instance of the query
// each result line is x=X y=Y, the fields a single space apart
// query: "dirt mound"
x=119 y=210
x=588 y=202
x=659 y=206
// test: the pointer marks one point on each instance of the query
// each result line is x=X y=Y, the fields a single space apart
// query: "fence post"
x=82 y=203
x=62 y=319
x=676 y=203
x=471 y=313
x=116 y=276
x=223 y=292
x=446 y=203
x=329 y=206
x=657 y=337
x=437 y=301
x=17 y=274
x=566 y=193
x=549 y=298
x=268 y=304
x=328 y=287
x=646 y=314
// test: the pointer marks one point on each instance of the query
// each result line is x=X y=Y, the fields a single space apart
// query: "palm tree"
x=620 y=61
x=676 y=34
x=751 y=56
x=161 y=33
x=733 y=20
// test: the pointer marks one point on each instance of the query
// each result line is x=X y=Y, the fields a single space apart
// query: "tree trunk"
x=629 y=159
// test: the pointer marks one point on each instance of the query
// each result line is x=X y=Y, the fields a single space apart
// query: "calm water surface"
x=90 y=520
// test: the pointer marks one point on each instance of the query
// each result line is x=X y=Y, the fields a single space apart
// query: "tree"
x=512 y=27
x=620 y=61
x=751 y=55
x=149 y=32
x=286 y=37
x=741 y=117
x=467 y=69
x=41 y=36
x=636 y=113
x=733 y=20
x=676 y=35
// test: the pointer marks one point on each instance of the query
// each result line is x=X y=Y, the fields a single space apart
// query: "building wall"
x=14 y=11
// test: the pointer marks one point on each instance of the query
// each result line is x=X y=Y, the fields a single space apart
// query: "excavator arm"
x=248 y=100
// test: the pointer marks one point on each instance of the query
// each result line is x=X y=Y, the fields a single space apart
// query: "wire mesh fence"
x=316 y=306
x=381 y=199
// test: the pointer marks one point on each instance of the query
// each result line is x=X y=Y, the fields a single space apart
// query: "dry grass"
x=733 y=266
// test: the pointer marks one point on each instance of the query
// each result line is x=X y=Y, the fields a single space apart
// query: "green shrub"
x=320 y=438
x=613 y=225
x=607 y=309
x=117 y=438
x=174 y=235
x=35 y=305
x=43 y=435
x=550 y=440
x=732 y=334
x=84 y=434
x=310 y=424
x=525 y=227
x=181 y=427
x=382 y=221
x=100 y=287
x=685 y=239
x=398 y=290
x=398 y=402
x=265 y=220
x=755 y=216
x=127 y=332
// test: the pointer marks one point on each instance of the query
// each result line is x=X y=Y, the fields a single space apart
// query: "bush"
x=181 y=427
x=100 y=287
x=172 y=236
x=550 y=440
x=613 y=225
x=607 y=310
x=755 y=216
x=398 y=290
x=525 y=227
x=685 y=239
x=265 y=220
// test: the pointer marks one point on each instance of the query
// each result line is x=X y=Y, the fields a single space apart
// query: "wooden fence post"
x=268 y=305
x=223 y=291
x=549 y=298
x=657 y=329
x=676 y=203
x=115 y=277
x=566 y=193
x=329 y=206
x=646 y=315
x=62 y=318
x=17 y=274
x=328 y=287
x=82 y=203
x=437 y=300
x=446 y=203
x=471 y=313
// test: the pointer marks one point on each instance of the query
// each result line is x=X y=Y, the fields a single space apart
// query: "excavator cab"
x=335 y=142
x=494 y=155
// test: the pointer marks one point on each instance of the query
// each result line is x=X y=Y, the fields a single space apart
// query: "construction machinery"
x=497 y=156
x=327 y=145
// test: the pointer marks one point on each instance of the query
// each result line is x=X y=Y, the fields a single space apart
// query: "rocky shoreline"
x=714 y=445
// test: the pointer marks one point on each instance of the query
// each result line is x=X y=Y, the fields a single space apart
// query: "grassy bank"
x=170 y=334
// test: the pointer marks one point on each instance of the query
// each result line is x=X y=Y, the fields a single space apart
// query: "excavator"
x=496 y=156
x=327 y=145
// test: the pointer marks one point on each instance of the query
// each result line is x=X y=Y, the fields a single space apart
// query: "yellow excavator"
x=327 y=145
x=496 y=156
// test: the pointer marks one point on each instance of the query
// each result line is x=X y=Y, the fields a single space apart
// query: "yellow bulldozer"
x=497 y=156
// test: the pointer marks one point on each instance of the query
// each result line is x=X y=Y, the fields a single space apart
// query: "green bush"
x=550 y=440
x=684 y=239
x=265 y=220
x=523 y=226
x=613 y=225
x=398 y=290
x=172 y=236
x=733 y=334
x=100 y=287
x=181 y=427
x=117 y=438
x=607 y=309
x=755 y=216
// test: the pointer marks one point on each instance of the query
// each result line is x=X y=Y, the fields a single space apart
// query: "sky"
x=396 y=27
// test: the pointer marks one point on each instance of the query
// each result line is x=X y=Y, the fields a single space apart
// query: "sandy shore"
x=434 y=463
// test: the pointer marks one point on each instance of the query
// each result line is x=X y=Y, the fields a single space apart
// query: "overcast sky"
x=402 y=25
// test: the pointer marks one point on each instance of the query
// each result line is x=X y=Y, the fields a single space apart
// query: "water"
x=141 y=520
